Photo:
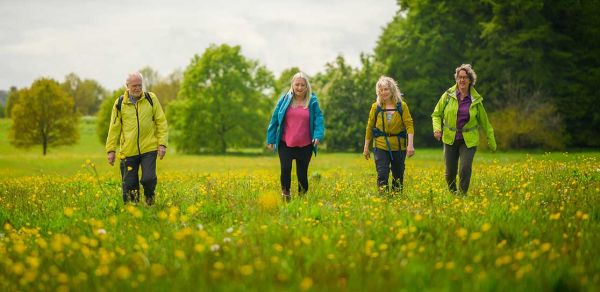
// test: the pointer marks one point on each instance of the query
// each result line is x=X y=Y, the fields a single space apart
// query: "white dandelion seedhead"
x=215 y=248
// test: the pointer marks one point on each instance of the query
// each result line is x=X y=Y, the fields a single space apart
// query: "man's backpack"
x=120 y=102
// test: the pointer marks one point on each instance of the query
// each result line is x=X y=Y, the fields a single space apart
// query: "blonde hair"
x=390 y=83
x=308 y=88
x=470 y=73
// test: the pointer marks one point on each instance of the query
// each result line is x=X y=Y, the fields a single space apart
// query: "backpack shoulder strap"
x=149 y=98
x=399 y=108
x=119 y=103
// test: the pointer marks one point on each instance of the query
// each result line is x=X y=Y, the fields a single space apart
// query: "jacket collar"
x=475 y=96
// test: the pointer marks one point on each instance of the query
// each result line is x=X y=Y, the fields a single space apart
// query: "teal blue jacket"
x=317 y=127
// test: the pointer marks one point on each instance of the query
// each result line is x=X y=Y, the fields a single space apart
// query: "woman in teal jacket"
x=295 y=131
x=457 y=118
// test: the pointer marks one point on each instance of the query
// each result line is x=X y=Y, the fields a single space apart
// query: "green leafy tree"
x=11 y=100
x=545 y=47
x=43 y=115
x=103 y=116
x=347 y=97
x=151 y=78
x=283 y=83
x=166 y=89
x=87 y=94
x=421 y=47
x=550 y=47
x=225 y=100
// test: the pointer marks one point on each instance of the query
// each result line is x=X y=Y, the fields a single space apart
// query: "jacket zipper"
x=137 y=117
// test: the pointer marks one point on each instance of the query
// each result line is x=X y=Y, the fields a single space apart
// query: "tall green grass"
x=530 y=222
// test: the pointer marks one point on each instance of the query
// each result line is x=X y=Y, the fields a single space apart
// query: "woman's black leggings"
x=302 y=156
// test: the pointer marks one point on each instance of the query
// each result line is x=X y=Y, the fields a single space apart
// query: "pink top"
x=296 y=127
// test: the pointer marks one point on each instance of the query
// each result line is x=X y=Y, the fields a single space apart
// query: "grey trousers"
x=131 y=182
x=452 y=155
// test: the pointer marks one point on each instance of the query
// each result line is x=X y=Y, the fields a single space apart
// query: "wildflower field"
x=530 y=222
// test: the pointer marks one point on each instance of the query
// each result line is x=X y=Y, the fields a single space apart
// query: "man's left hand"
x=162 y=150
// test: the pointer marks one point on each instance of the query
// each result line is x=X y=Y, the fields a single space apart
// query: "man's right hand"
x=111 y=158
x=437 y=135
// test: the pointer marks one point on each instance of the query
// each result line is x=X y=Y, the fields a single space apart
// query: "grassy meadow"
x=530 y=222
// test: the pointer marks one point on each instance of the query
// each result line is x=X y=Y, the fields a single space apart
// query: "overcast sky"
x=104 y=40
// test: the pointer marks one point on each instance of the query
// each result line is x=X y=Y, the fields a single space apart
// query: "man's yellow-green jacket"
x=138 y=128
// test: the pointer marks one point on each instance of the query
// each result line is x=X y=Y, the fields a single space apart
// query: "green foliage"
x=43 y=115
x=11 y=100
x=103 y=115
x=421 y=47
x=347 y=97
x=166 y=89
x=529 y=123
x=2 y=111
x=542 y=45
x=224 y=101
x=283 y=83
x=87 y=94
x=151 y=78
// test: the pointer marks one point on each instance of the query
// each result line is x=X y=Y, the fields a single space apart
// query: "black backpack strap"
x=147 y=95
x=119 y=103
x=118 y=107
x=149 y=98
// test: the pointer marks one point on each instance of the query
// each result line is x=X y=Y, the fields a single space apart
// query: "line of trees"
x=538 y=63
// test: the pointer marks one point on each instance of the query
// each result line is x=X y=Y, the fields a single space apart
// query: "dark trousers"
x=452 y=155
x=131 y=183
x=302 y=156
x=383 y=164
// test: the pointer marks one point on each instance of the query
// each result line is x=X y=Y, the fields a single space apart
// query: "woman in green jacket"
x=457 y=118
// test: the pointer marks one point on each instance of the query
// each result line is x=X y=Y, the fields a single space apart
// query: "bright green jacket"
x=139 y=128
x=447 y=109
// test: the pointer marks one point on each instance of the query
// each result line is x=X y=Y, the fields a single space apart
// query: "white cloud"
x=104 y=40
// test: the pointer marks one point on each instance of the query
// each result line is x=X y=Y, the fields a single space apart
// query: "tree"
x=224 y=101
x=421 y=47
x=545 y=47
x=43 y=115
x=11 y=100
x=166 y=89
x=151 y=78
x=283 y=83
x=103 y=116
x=86 y=94
x=551 y=47
x=347 y=97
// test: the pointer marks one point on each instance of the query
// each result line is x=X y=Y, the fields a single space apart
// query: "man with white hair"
x=138 y=124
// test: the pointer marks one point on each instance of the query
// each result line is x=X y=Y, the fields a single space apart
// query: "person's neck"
x=299 y=99
x=464 y=92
